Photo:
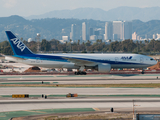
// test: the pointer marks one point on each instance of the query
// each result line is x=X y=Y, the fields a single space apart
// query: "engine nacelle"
x=104 y=67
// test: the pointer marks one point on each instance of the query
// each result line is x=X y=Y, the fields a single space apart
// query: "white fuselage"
x=115 y=60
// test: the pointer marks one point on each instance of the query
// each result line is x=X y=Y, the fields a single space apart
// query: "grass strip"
x=148 y=85
x=8 y=115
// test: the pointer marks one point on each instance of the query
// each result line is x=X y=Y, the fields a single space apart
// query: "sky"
x=26 y=8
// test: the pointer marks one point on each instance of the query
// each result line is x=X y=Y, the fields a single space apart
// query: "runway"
x=79 y=91
x=89 y=79
x=101 y=103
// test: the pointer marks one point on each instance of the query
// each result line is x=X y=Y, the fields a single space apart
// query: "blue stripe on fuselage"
x=61 y=59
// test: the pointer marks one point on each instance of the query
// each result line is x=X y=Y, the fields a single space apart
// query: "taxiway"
x=89 y=79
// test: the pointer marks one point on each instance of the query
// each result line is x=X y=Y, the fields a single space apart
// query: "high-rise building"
x=118 y=29
x=72 y=37
x=83 y=31
x=122 y=29
x=108 y=31
x=75 y=32
x=127 y=30
x=87 y=30
x=90 y=31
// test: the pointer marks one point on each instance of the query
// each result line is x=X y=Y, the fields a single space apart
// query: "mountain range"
x=120 y=13
x=50 y=28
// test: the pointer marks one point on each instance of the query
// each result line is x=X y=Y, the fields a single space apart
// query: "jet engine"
x=104 y=67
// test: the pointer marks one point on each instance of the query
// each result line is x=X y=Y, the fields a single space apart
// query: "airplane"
x=99 y=62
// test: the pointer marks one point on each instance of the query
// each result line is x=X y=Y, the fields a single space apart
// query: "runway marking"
x=96 y=109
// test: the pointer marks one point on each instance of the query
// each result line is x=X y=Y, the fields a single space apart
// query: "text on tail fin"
x=18 y=46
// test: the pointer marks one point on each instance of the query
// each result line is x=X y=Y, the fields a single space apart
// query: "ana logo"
x=19 y=44
x=126 y=58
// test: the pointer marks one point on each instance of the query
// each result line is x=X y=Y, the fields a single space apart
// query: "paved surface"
x=14 y=105
x=88 y=79
x=79 y=91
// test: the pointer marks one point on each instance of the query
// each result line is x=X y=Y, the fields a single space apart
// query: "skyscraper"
x=127 y=30
x=118 y=29
x=122 y=30
x=90 y=31
x=72 y=37
x=75 y=32
x=83 y=31
x=108 y=31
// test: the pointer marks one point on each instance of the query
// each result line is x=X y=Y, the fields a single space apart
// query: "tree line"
x=126 y=46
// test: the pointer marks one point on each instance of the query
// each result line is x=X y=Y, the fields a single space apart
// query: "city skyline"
x=115 y=30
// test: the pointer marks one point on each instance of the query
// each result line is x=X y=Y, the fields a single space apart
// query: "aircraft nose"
x=154 y=62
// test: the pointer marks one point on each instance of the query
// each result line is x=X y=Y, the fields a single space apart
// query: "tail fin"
x=18 y=47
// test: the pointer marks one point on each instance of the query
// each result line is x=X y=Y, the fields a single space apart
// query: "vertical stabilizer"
x=18 y=47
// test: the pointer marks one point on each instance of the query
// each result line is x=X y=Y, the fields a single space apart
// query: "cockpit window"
x=151 y=59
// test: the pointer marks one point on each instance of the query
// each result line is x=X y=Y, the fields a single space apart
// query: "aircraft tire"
x=80 y=73
x=83 y=73
x=77 y=73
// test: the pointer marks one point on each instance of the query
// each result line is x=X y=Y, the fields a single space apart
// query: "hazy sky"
x=35 y=7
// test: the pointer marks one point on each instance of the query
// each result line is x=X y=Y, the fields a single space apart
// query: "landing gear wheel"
x=83 y=73
x=80 y=73
x=76 y=73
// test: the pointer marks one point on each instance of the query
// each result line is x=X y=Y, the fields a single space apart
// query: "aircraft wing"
x=12 y=58
x=18 y=58
x=79 y=61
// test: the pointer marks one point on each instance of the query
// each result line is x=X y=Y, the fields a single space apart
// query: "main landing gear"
x=80 y=73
